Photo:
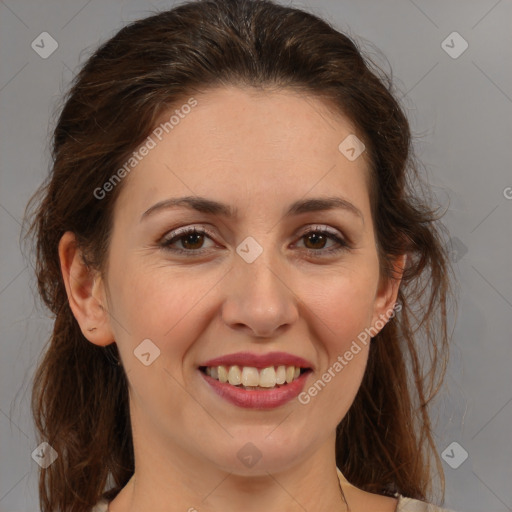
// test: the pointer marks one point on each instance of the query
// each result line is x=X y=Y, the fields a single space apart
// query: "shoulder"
x=411 y=505
x=378 y=503
x=101 y=506
x=369 y=501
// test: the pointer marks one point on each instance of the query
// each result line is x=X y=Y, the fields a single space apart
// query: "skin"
x=259 y=152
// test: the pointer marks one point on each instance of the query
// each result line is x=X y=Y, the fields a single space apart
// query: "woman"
x=241 y=273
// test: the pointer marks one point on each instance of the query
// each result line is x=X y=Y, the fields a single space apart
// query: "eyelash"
x=179 y=234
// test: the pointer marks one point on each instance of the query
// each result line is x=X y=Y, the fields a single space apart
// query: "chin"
x=262 y=452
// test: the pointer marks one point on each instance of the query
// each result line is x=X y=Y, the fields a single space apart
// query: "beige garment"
x=408 y=504
x=101 y=506
x=404 y=504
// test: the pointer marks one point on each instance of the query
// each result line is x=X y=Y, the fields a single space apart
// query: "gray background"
x=461 y=113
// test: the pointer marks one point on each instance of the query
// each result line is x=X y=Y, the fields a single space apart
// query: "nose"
x=259 y=301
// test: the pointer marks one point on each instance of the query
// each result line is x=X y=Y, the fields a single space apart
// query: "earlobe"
x=83 y=286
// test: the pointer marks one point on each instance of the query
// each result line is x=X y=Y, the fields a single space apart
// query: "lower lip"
x=257 y=399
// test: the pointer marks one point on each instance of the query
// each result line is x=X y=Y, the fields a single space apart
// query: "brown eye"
x=315 y=240
x=193 y=240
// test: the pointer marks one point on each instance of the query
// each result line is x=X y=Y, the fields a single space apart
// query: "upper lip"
x=259 y=360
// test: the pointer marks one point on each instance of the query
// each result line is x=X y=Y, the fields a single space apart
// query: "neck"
x=160 y=484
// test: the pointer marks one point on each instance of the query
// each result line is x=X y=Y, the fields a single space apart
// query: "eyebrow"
x=209 y=206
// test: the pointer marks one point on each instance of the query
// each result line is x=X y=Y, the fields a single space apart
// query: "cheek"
x=339 y=316
x=343 y=304
x=161 y=304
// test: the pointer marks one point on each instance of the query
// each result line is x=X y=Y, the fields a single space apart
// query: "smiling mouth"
x=251 y=378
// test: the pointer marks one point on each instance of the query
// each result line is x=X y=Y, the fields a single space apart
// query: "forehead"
x=248 y=144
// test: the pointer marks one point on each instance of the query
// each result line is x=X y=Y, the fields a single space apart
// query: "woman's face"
x=251 y=283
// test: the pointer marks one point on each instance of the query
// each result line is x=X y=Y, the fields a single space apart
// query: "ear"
x=387 y=294
x=86 y=293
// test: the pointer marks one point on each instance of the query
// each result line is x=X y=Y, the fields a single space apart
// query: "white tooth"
x=281 y=375
x=268 y=377
x=222 y=373
x=290 y=371
x=297 y=373
x=214 y=373
x=208 y=371
x=234 y=375
x=250 y=376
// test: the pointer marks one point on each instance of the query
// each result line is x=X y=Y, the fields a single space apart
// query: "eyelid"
x=187 y=229
x=324 y=228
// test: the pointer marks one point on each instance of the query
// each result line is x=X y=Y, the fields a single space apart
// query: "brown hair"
x=80 y=399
